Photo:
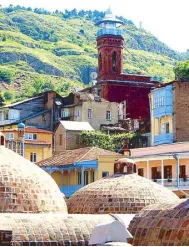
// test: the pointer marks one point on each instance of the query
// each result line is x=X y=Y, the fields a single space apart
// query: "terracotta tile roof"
x=69 y=157
x=161 y=149
x=29 y=129
x=35 y=142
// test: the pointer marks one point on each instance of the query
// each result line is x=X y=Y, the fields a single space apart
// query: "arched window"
x=100 y=62
x=114 y=61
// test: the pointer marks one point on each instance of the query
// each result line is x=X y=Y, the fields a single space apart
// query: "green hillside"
x=41 y=50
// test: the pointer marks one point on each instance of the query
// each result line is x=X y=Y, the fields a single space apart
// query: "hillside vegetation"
x=40 y=50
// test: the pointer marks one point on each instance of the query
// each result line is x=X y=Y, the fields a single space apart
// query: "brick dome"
x=50 y=229
x=120 y=193
x=26 y=188
x=160 y=224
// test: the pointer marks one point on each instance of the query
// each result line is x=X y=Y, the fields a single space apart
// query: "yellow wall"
x=168 y=162
x=106 y=164
x=42 y=151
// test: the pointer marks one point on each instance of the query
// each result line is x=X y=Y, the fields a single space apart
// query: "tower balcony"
x=109 y=31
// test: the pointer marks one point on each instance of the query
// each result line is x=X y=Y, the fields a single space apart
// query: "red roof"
x=69 y=157
x=161 y=149
x=29 y=129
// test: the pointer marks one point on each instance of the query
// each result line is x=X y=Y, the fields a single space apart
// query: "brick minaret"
x=112 y=83
x=110 y=46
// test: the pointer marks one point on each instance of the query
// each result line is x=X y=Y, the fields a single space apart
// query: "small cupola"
x=124 y=166
x=21 y=130
x=109 y=24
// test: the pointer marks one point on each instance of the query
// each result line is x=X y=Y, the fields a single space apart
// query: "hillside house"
x=36 y=144
x=41 y=111
x=88 y=107
x=169 y=113
x=66 y=136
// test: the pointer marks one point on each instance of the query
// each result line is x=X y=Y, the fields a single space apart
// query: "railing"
x=9 y=121
x=109 y=31
x=164 y=138
x=70 y=190
x=172 y=182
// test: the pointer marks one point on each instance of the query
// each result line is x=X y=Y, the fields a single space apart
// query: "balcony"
x=8 y=121
x=165 y=138
x=70 y=190
x=172 y=183
x=109 y=31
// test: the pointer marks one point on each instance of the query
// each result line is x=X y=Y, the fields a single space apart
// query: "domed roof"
x=21 y=125
x=51 y=229
x=162 y=224
x=26 y=188
x=120 y=193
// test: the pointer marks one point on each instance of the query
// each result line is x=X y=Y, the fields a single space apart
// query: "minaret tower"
x=110 y=46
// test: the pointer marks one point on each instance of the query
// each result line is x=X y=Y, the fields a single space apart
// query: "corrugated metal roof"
x=73 y=125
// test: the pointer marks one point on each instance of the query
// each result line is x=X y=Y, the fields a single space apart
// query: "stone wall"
x=181 y=111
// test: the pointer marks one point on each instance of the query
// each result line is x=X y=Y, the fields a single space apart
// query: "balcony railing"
x=171 y=183
x=109 y=31
x=9 y=121
x=163 y=138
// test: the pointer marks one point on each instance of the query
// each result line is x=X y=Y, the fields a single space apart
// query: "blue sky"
x=167 y=19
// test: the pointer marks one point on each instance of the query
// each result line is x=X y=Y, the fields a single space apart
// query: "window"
x=105 y=174
x=108 y=115
x=156 y=173
x=114 y=61
x=141 y=172
x=9 y=136
x=33 y=157
x=60 y=140
x=167 y=172
x=77 y=113
x=182 y=172
x=30 y=136
x=100 y=62
x=86 y=177
x=92 y=176
x=158 y=102
x=79 y=177
x=99 y=92
x=89 y=113
x=65 y=113
x=167 y=127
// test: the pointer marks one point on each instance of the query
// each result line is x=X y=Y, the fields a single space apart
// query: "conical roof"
x=120 y=193
x=26 y=188
x=163 y=224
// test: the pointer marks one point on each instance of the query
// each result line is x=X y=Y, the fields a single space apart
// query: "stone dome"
x=120 y=193
x=50 y=229
x=26 y=188
x=160 y=224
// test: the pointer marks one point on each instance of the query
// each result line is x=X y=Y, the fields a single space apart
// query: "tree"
x=105 y=141
x=182 y=71
x=8 y=95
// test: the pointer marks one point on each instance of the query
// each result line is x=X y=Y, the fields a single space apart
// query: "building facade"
x=167 y=165
x=41 y=111
x=66 y=136
x=73 y=169
x=169 y=113
x=35 y=146
x=91 y=108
